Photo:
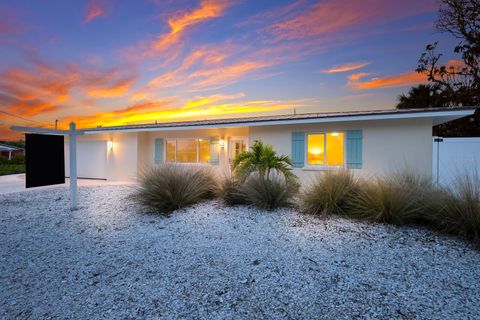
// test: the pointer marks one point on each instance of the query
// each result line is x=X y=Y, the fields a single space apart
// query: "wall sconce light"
x=110 y=145
x=221 y=143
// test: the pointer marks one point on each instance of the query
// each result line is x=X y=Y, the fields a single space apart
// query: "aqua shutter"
x=354 y=149
x=158 y=150
x=298 y=149
x=214 y=151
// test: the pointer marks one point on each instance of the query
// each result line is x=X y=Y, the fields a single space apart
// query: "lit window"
x=187 y=150
x=335 y=149
x=171 y=146
x=316 y=149
x=325 y=149
x=204 y=150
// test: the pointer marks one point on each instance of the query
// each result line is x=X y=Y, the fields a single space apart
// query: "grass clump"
x=403 y=198
x=328 y=193
x=269 y=192
x=230 y=192
x=460 y=212
x=168 y=187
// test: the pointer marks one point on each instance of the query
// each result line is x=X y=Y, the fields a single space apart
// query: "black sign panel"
x=45 y=160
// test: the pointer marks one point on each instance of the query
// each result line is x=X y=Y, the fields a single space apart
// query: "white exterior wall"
x=122 y=158
x=147 y=149
x=388 y=145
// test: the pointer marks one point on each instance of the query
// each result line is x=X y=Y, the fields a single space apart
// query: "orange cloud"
x=331 y=16
x=95 y=9
x=346 y=67
x=400 y=80
x=208 y=9
x=213 y=106
x=110 y=84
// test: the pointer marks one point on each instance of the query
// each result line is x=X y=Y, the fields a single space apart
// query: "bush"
x=328 y=193
x=399 y=199
x=460 y=213
x=18 y=159
x=269 y=192
x=230 y=192
x=168 y=187
x=6 y=169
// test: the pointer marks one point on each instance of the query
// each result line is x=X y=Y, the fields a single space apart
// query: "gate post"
x=73 y=165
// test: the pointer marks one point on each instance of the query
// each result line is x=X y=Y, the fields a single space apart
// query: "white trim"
x=446 y=115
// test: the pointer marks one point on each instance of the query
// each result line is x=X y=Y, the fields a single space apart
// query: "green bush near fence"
x=6 y=169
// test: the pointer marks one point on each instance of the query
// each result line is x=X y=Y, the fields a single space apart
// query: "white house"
x=368 y=142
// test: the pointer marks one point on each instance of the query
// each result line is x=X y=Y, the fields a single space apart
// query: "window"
x=188 y=150
x=325 y=149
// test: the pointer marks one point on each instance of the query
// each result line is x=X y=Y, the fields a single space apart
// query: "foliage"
x=460 y=213
x=6 y=169
x=263 y=160
x=328 y=193
x=230 y=192
x=168 y=187
x=269 y=192
x=402 y=198
x=18 y=159
x=456 y=83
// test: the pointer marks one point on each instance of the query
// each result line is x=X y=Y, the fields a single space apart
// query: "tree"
x=456 y=83
x=261 y=159
x=424 y=95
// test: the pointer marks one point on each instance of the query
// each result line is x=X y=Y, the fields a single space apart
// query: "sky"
x=112 y=62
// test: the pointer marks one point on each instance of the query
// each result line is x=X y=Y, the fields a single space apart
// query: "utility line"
x=25 y=119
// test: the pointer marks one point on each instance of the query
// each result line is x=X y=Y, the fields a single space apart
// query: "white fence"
x=453 y=157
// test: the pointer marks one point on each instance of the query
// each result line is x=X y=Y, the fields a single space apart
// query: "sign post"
x=72 y=134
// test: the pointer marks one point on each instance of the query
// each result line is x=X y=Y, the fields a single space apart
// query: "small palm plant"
x=262 y=159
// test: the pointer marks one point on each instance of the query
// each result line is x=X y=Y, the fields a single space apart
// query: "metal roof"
x=6 y=147
x=440 y=115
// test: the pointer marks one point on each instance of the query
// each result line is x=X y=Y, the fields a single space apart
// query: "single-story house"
x=367 y=142
x=8 y=151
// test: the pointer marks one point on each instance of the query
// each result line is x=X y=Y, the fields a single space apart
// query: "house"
x=9 y=152
x=367 y=142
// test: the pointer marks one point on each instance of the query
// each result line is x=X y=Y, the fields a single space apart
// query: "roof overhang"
x=437 y=116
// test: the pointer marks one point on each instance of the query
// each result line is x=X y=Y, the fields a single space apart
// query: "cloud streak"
x=356 y=81
x=180 y=23
x=94 y=9
x=346 y=67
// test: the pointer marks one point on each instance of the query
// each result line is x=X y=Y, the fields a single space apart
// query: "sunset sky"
x=109 y=62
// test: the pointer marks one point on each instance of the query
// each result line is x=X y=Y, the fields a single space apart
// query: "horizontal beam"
x=47 y=131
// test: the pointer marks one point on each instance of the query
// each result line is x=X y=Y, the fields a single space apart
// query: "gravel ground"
x=110 y=260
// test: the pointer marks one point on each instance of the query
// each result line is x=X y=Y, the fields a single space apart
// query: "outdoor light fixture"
x=221 y=143
x=110 y=145
x=334 y=134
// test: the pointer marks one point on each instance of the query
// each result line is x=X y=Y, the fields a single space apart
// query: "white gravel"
x=110 y=260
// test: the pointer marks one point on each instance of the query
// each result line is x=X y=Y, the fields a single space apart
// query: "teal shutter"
x=354 y=149
x=158 y=150
x=298 y=149
x=214 y=151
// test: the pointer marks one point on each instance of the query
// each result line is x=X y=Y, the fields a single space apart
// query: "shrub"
x=328 y=193
x=18 y=159
x=460 y=213
x=399 y=199
x=230 y=192
x=269 y=192
x=262 y=160
x=169 y=187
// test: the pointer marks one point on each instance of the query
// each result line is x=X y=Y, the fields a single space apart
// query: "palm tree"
x=262 y=159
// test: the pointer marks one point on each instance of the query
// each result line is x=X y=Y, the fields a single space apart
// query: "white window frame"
x=176 y=149
x=324 y=166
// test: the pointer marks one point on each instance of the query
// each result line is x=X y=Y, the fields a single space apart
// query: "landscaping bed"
x=112 y=259
x=6 y=169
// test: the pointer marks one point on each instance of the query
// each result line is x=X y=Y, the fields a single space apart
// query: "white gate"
x=453 y=157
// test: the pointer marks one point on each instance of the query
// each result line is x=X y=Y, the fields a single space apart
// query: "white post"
x=10 y=155
x=73 y=165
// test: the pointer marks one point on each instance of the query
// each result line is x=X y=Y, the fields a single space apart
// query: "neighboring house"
x=9 y=152
x=369 y=143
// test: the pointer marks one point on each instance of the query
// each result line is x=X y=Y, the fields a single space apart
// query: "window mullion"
x=325 y=149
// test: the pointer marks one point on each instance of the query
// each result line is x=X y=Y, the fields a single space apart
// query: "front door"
x=236 y=146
